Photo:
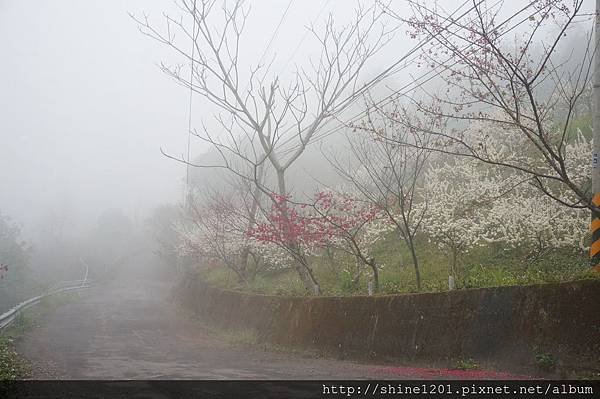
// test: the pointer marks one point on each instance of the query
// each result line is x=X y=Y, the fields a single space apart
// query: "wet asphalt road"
x=130 y=329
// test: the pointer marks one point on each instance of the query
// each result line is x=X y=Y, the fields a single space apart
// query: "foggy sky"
x=84 y=108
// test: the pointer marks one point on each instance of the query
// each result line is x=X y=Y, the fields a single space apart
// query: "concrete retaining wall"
x=506 y=323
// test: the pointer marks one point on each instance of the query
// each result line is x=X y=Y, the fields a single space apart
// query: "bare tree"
x=388 y=175
x=265 y=121
x=251 y=197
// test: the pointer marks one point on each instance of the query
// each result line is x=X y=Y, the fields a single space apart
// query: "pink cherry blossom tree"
x=330 y=220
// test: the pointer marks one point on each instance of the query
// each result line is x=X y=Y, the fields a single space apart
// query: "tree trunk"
x=356 y=278
x=241 y=277
x=252 y=220
x=302 y=266
x=453 y=264
x=231 y=265
x=244 y=261
x=373 y=266
x=415 y=261
x=331 y=262
x=308 y=279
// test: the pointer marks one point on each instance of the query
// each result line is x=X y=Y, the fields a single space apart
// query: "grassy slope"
x=487 y=266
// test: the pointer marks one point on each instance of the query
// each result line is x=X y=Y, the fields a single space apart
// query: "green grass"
x=281 y=283
x=464 y=364
x=586 y=375
x=486 y=266
x=545 y=361
x=12 y=367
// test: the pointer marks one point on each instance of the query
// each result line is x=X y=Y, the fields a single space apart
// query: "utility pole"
x=595 y=226
x=186 y=191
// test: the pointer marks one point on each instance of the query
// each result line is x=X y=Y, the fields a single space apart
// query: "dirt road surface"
x=129 y=329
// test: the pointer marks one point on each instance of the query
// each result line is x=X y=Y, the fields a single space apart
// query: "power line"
x=273 y=36
x=189 y=138
x=302 y=39
x=393 y=69
x=405 y=89
x=192 y=76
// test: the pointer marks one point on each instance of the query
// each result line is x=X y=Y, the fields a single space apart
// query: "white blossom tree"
x=473 y=203
x=216 y=228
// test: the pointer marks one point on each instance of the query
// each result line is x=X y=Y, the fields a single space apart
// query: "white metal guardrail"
x=7 y=318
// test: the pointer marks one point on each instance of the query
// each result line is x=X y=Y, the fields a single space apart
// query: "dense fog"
x=92 y=128
x=246 y=189
x=85 y=110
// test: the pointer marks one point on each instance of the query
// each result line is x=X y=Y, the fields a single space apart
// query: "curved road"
x=130 y=330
